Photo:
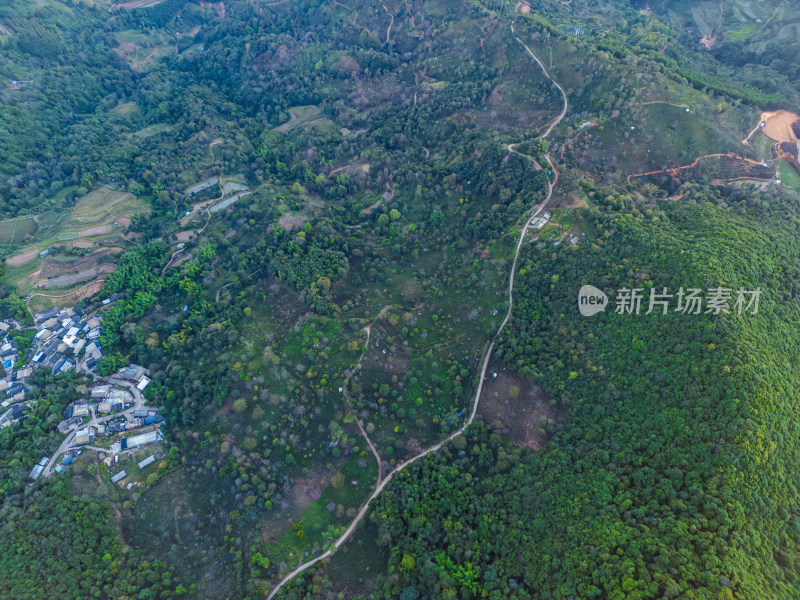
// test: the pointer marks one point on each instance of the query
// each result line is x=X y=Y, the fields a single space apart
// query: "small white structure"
x=147 y=461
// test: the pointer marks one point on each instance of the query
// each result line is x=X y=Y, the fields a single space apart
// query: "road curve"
x=382 y=484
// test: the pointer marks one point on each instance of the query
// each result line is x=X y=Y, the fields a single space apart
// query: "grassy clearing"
x=150 y=131
x=762 y=144
x=789 y=177
x=307 y=117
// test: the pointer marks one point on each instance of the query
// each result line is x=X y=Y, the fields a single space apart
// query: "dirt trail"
x=513 y=148
x=367 y=329
x=675 y=170
x=382 y=484
x=390 y=189
x=219 y=291
x=171 y=259
x=357 y=163
x=389 y=29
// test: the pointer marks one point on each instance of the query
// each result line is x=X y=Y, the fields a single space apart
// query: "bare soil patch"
x=65 y=280
x=125 y=48
x=516 y=407
x=290 y=221
x=383 y=356
x=24 y=258
x=99 y=260
x=571 y=200
x=496 y=97
x=99 y=230
x=286 y=304
x=778 y=125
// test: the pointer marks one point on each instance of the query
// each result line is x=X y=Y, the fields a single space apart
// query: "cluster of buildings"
x=542 y=221
x=106 y=399
x=65 y=462
x=110 y=461
x=574 y=239
x=65 y=340
x=136 y=375
x=64 y=337
x=12 y=383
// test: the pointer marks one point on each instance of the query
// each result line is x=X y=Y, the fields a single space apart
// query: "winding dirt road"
x=513 y=148
x=382 y=484
x=674 y=171
x=389 y=29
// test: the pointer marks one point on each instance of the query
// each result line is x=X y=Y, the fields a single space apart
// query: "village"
x=111 y=418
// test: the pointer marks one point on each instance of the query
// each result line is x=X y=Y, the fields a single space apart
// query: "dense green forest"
x=390 y=154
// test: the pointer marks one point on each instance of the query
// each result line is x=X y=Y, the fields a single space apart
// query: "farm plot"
x=62 y=272
x=15 y=231
x=142 y=51
x=306 y=117
x=101 y=208
x=40 y=301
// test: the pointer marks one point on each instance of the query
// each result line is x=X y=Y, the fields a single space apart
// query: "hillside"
x=346 y=240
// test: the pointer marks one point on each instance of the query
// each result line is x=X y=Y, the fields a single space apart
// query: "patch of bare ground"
x=381 y=355
x=24 y=258
x=570 y=200
x=82 y=244
x=134 y=4
x=290 y=221
x=124 y=221
x=125 y=48
x=369 y=209
x=99 y=230
x=778 y=125
x=185 y=236
x=181 y=260
x=72 y=279
x=516 y=407
x=55 y=268
x=411 y=289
